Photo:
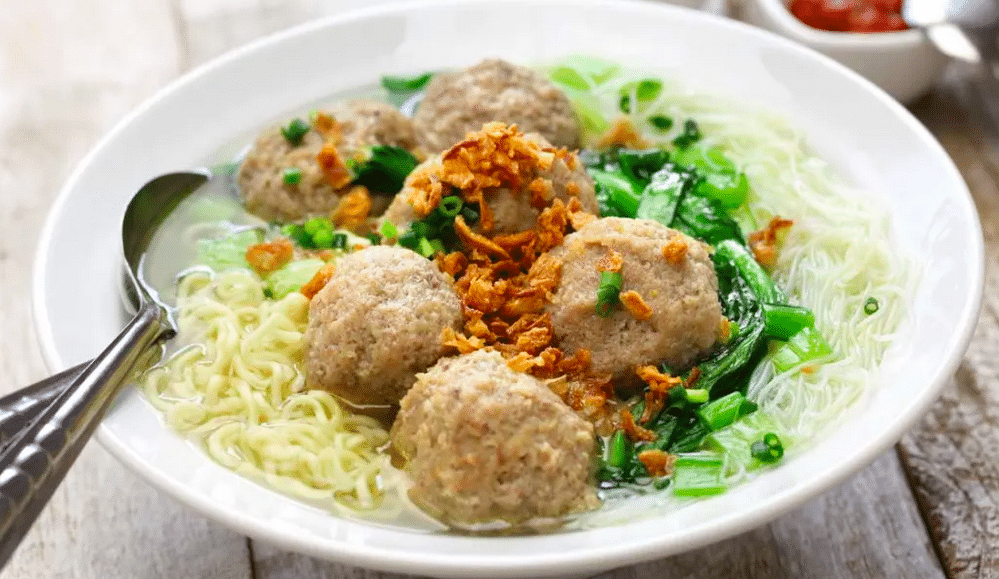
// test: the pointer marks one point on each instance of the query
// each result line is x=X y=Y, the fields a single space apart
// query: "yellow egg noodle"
x=239 y=390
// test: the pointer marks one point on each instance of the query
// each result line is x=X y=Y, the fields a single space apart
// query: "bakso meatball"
x=483 y=443
x=668 y=310
x=376 y=323
x=262 y=182
x=493 y=90
x=565 y=178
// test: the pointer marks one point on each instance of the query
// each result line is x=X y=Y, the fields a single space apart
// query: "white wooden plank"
x=69 y=71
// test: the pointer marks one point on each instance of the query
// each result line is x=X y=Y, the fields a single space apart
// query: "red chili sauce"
x=850 y=15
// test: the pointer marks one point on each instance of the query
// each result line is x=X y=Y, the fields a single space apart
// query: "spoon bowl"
x=48 y=423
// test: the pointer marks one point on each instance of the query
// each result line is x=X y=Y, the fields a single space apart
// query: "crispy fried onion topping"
x=318 y=281
x=270 y=256
x=635 y=304
x=657 y=462
x=766 y=241
x=498 y=156
x=675 y=250
x=505 y=282
x=622 y=133
x=330 y=161
x=353 y=210
x=659 y=386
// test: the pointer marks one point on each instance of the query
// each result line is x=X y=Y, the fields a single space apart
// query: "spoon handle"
x=19 y=409
x=34 y=463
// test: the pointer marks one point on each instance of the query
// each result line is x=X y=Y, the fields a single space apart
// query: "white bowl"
x=905 y=64
x=868 y=136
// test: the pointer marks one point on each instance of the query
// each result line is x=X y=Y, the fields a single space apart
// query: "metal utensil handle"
x=36 y=461
x=19 y=409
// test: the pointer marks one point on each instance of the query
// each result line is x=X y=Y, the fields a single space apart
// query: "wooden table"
x=70 y=70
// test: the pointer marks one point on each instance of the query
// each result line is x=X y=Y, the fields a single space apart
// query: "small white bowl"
x=903 y=63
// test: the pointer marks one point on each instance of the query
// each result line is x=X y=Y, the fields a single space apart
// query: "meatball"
x=671 y=272
x=261 y=175
x=513 y=211
x=376 y=323
x=493 y=90
x=484 y=443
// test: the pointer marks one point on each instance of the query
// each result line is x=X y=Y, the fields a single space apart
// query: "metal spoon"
x=962 y=29
x=35 y=460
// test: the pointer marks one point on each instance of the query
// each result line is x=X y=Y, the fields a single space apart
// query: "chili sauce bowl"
x=903 y=63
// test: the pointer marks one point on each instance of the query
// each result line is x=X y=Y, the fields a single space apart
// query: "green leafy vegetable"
x=698 y=475
x=228 y=252
x=406 y=83
x=582 y=72
x=403 y=88
x=384 y=168
x=292 y=276
x=783 y=321
x=722 y=179
x=807 y=345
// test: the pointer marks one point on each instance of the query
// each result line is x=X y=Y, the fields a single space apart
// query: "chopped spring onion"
x=608 y=291
x=871 y=306
x=423 y=228
x=292 y=176
x=648 y=89
x=784 y=321
x=339 y=241
x=317 y=224
x=295 y=132
x=471 y=214
x=698 y=475
x=323 y=239
x=409 y=240
x=425 y=248
x=661 y=122
x=805 y=346
x=389 y=230
x=691 y=134
x=768 y=450
x=450 y=206
x=644 y=91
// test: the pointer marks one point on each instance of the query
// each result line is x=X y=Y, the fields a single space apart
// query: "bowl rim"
x=497 y=564
x=780 y=16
